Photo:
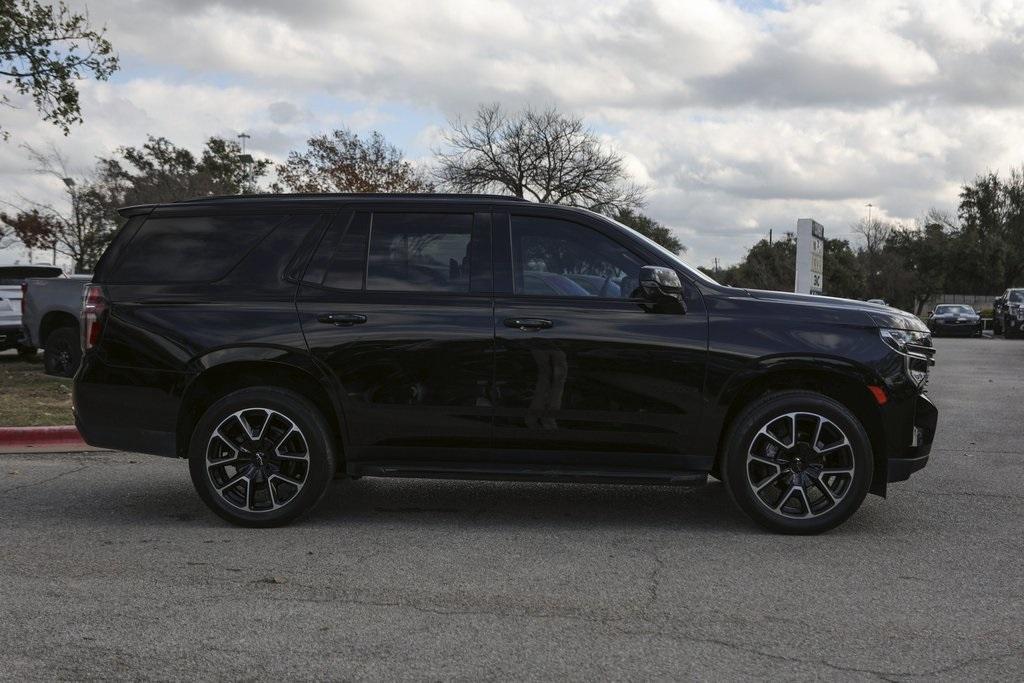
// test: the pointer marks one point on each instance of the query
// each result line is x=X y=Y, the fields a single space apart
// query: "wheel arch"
x=53 y=320
x=225 y=371
x=842 y=381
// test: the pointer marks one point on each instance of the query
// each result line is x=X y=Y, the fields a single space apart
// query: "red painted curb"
x=40 y=436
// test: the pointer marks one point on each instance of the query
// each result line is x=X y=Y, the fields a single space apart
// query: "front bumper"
x=966 y=329
x=915 y=456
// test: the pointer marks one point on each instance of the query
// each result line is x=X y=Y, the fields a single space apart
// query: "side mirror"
x=663 y=288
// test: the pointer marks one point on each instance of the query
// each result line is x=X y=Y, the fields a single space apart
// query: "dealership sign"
x=810 y=256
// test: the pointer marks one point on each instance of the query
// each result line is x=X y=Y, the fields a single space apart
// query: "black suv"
x=277 y=342
x=1008 y=313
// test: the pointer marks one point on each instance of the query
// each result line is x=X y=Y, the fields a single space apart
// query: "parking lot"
x=112 y=568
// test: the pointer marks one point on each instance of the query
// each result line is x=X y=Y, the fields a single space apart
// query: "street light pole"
x=247 y=161
x=70 y=182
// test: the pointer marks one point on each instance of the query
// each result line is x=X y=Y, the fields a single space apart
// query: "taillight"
x=24 y=291
x=94 y=305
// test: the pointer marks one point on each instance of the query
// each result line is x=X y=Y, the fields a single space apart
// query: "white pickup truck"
x=50 y=321
x=12 y=280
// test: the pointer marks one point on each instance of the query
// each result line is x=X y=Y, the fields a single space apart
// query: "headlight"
x=916 y=354
x=898 y=339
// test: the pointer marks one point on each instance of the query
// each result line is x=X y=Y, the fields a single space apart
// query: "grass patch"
x=31 y=398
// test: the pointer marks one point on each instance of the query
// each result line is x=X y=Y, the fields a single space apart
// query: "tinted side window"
x=422 y=252
x=190 y=248
x=348 y=260
x=553 y=257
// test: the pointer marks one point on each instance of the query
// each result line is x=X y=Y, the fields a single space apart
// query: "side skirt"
x=523 y=472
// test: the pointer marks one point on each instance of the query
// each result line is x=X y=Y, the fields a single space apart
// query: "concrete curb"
x=63 y=439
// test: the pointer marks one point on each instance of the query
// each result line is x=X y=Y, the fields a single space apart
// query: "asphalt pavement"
x=111 y=568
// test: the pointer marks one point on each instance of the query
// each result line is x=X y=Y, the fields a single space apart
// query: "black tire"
x=818 y=512
x=263 y=472
x=27 y=352
x=1009 y=330
x=997 y=328
x=63 y=352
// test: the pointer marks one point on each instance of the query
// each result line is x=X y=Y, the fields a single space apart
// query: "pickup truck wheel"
x=797 y=462
x=63 y=352
x=1009 y=329
x=261 y=457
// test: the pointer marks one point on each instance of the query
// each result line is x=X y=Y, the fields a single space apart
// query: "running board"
x=527 y=473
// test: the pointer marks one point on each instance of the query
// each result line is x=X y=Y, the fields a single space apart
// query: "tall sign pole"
x=810 y=257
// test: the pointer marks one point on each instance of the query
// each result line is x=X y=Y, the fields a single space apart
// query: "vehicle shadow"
x=409 y=504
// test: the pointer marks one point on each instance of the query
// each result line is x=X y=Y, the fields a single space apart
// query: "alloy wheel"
x=257 y=460
x=800 y=465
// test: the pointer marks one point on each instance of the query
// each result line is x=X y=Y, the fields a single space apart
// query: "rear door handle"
x=342 y=319
x=528 y=323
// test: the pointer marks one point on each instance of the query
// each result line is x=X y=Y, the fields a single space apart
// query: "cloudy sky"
x=740 y=116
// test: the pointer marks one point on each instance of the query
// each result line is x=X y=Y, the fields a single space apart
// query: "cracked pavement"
x=111 y=567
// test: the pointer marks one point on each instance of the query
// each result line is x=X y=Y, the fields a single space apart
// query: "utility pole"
x=869 y=205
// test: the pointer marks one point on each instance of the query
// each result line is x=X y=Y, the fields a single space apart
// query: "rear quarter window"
x=190 y=248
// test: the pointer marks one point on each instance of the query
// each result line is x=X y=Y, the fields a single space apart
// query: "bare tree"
x=541 y=155
x=82 y=228
x=875 y=232
x=344 y=162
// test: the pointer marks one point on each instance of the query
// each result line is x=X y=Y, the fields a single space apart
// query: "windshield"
x=1016 y=296
x=697 y=274
x=954 y=310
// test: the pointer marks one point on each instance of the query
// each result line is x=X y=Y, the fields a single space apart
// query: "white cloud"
x=738 y=119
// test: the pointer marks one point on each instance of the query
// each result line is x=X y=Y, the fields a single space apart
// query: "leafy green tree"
x=772 y=266
x=650 y=228
x=344 y=162
x=160 y=171
x=32 y=228
x=990 y=241
x=844 y=275
x=922 y=260
x=767 y=265
x=44 y=50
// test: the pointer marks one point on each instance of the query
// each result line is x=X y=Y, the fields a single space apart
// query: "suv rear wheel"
x=261 y=457
x=797 y=462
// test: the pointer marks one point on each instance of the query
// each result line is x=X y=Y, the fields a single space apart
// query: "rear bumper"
x=127 y=410
x=10 y=336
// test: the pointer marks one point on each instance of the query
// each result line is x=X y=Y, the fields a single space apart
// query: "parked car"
x=51 y=311
x=12 y=280
x=954 y=320
x=1008 y=313
x=275 y=341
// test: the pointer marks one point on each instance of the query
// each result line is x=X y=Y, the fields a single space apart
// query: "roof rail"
x=354 y=195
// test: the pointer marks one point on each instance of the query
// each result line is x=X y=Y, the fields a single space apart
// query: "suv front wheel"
x=261 y=457
x=797 y=462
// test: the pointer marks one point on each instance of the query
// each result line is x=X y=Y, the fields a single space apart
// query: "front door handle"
x=342 y=319
x=528 y=323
